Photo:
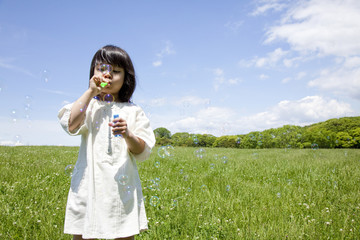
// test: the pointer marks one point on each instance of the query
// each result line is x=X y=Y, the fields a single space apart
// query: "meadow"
x=216 y=193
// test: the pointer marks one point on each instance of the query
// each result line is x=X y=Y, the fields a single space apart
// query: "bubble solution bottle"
x=116 y=116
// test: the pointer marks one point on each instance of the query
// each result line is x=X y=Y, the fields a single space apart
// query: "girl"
x=105 y=198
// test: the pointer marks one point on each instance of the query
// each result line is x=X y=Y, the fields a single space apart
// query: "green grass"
x=255 y=194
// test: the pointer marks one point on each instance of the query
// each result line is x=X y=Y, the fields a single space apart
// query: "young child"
x=105 y=198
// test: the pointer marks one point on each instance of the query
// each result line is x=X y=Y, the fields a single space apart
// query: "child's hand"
x=119 y=126
x=95 y=84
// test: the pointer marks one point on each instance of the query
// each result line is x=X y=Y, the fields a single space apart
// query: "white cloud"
x=220 y=80
x=270 y=60
x=339 y=80
x=192 y=100
x=326 y=27
x=268 y=5
x=263 y=76
x=158 y=102
x=35 y=132
x=220 y=121
x=157 y=63
x=234 y=26
x=168 y=49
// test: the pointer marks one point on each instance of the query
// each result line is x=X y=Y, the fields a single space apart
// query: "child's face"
x=115 y=80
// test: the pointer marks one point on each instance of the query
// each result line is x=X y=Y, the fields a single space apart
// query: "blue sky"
x=214 y=67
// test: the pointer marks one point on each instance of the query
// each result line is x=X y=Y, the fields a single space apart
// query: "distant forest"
x=334 y=133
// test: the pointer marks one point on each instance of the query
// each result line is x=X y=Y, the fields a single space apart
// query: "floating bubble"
x=157 y=164
x=200 y=153
x=174 y=203
x=224 y=159
x=189 y=189
x=45 y=76
x=204 y=188
x=129 y=189
x=181 y=171
x=82 y=106
x=152 y=184
x=14 y=115
x=97 y=125
x=315 y=146
x=154 y=201
x=17 y=140
x=238 y=140
x=109 y=98
x=212 y=166
x=227 y=188
x=166 y=151
x=195 y=140
x=105 y=68
x=123 y=179
x=278 y=195
x=69 y=170
x=28 y=101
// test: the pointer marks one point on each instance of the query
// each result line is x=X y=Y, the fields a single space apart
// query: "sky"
x=206 y=67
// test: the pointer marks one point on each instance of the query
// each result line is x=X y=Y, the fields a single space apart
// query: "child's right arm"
x=78 y=110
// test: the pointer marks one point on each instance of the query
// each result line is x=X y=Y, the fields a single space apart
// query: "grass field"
x=223 y=194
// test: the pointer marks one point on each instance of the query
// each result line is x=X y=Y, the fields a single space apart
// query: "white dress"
x=100 y=206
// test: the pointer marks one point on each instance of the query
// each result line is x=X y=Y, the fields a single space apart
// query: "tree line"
x=334 y=133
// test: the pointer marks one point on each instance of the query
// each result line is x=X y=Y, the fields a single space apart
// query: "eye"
x=116 y=71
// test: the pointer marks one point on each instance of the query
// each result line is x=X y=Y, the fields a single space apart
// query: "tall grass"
x=223 y=194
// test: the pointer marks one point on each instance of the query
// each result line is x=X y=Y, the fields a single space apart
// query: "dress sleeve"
x=144 y=131
x=64 y=116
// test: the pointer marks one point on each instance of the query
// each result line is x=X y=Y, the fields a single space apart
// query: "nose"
x=107 y=75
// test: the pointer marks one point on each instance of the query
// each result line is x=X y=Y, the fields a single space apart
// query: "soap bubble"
x=315 y=146
x=204 y=188
x=278 y=195
x=157 y=164
x=224 y=159
x=238 y=140
x=228 y=188
x=105 y=68
x=166 y=151
x=17 y=140
x=195 y=140
x=152 y=184
x=28 y=101
x=174 y=203
x=69 y=170
x=14 y=115
x=45 y=76
x=109 y=98
x=82 y=106
x=123 y=179
x=154 y=201
x=128 y=189
x=97 y=125
x=212 y=166
x=200 y=153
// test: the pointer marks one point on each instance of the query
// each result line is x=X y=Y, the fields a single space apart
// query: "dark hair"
x=116 y=56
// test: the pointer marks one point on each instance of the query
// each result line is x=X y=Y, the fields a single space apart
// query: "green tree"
x=162 y=133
